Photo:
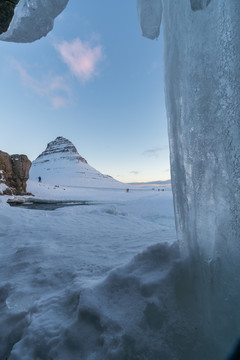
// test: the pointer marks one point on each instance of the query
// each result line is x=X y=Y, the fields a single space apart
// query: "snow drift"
x=148 y=309
x=51 y=261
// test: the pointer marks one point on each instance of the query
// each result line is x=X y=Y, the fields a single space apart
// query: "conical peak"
x=61 y=164
x=61 y=144
x=61 y=141
x=63 y=147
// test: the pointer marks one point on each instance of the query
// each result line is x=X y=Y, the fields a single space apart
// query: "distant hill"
x=152 y=183
x=61 y=164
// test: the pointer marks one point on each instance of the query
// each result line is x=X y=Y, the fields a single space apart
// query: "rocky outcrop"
x=6 y=13
x=14 y=173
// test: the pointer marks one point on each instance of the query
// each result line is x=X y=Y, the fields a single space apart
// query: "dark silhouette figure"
x=39 y=179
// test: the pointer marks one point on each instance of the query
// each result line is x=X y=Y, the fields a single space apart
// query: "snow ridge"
x=63 y=146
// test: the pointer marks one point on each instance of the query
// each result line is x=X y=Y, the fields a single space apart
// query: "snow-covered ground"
x=49 y=258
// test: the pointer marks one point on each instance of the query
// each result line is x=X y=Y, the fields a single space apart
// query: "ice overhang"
x=24 y=21
x=28 y=20
x=150 y=14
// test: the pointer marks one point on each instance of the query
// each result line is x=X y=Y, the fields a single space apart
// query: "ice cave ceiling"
x=32 y=19
x=29 y=20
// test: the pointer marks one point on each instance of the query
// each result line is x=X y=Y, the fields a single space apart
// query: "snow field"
x=50 y=259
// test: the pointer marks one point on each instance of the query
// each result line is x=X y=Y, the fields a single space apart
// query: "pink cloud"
x=58 y=102
x=81 y=57
x=48 y=87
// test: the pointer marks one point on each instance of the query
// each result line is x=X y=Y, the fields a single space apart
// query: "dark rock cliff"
x=14 y=173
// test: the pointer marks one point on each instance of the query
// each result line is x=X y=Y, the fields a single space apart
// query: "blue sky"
x=94 y=80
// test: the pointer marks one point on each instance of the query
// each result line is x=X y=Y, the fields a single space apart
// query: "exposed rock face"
x=6 y=13
x=64 y=147
x=14 y=173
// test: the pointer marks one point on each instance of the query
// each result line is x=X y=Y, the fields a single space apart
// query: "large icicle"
x=150 y=16
x=202 y=68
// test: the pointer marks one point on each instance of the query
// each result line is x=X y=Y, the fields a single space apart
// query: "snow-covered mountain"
x=61 y=164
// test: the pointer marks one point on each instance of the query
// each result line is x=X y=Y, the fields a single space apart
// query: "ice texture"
x=199 y=4
x=33 y=19
x=202 y=96
x=150 y=16
x=202 y=86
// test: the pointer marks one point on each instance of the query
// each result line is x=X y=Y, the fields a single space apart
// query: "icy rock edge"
x=32 y=20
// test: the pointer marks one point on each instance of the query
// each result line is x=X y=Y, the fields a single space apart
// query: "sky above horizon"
x=94 y=80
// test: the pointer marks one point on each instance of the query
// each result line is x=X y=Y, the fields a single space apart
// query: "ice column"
x=202 y=87
x=202 y=79
x=202 y=84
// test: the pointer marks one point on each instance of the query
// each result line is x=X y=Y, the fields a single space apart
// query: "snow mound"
x=148 y=309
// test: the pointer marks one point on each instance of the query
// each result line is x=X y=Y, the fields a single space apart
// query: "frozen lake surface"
x=48 y=257
x=39 y=204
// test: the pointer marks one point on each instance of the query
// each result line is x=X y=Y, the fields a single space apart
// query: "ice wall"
x=202 y=82
x=202 y=54
x=202 y=86
x=33 y=19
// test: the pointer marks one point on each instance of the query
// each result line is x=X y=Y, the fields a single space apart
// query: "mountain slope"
x=61 y=164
